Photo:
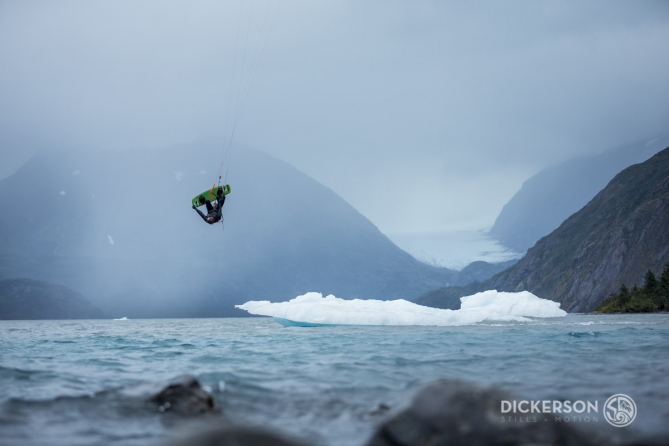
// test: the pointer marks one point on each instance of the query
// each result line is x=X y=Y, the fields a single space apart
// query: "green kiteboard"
x=210 y=195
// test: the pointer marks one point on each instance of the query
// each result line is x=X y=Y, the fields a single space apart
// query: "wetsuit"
x=215 y=212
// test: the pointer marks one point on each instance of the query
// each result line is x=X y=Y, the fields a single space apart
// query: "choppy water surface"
x=85 y=382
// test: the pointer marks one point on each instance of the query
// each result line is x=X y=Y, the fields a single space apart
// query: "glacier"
x=312 y=309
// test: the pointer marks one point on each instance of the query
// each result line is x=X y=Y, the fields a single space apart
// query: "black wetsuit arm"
x=204 y=217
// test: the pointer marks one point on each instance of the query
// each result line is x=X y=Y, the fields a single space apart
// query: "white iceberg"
x=313 y=309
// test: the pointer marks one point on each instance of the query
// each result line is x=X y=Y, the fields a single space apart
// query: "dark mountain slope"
x=552 y=195
x=479 y=271
x=118 y=227
x=614 y=239
x=32 y=299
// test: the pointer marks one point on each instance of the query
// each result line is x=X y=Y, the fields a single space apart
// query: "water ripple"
x=77 y=380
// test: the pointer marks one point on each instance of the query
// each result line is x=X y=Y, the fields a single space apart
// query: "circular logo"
x=620 y=410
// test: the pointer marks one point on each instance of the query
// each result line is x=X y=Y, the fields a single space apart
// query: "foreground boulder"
x=234 y=436
x=184 y=396
x=452 y=412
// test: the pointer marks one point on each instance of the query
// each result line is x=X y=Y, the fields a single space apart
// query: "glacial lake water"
x=85 y=382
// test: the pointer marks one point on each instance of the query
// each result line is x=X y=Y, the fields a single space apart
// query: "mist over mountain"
x=34 y=299
x=616 y=238
x=117 y=226
x=546 y=199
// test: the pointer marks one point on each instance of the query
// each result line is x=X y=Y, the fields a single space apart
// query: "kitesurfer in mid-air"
x=215 y=211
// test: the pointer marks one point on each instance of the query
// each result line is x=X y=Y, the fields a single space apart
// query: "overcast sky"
x=425 y=116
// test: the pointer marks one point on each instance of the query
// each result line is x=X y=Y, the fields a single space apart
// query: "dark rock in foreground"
x=452 y=412
x=184 y=396
x=33 y=299
x=234 y=436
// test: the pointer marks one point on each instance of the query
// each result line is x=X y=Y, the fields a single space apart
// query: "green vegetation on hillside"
x=652 y=296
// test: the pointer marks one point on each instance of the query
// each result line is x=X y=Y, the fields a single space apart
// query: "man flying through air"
x=215 y=211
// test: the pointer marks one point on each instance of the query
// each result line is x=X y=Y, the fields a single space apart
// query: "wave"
x=312 y=309
x=22 y=374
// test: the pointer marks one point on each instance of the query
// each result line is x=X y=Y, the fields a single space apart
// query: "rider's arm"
x=204 y=217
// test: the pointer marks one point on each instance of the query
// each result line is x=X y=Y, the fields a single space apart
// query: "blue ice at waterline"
x=289 y=323
x=312 y=309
